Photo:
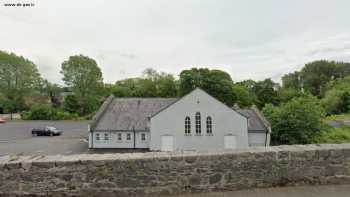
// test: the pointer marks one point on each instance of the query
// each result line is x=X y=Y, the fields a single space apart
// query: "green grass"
x=331 y=135
x=339 y=117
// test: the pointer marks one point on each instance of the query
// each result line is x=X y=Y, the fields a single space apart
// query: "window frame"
x=119 y=136
x=97 y=137
x=143 y=137
x=187 y=125
x=209 y=125
x=128 y=137
x=106 y=137
x=198 y=120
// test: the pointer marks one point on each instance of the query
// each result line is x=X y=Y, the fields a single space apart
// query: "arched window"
x=209 y=125
x=187 y=125
x=198 y=123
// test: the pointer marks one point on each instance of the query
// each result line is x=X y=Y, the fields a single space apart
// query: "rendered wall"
x=152 y=174
x=225 y=121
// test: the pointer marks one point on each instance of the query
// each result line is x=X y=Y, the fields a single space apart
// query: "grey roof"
x=256 y=120
x=130 y=113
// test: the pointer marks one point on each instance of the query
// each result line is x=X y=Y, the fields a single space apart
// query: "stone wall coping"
x=13 y=159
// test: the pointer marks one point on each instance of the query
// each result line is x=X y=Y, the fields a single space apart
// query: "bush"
x=46 y=112
x=334 y=135
x=298 y=121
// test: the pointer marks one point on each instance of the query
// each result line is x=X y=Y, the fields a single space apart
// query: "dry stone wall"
x=140 y=174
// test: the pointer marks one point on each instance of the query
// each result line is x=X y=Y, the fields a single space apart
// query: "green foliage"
x=337 y=96
x=262 y=92
x=80 y=106
x=286 y=94
x=19 y=77
x=334 y=135
x=292 y=81
x=71 y=104
x=242 y=96
x=298 y=121
x=82 y=74
x=46 y=112
x=315 y=75
x=151 y=84
x=216 y=82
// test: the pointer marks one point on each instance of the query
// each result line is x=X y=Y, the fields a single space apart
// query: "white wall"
x=225 y=122
x=113 y=141
x=257 y=139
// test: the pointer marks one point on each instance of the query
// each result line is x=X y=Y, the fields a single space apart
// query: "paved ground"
x=305 y=191
x=16 y=138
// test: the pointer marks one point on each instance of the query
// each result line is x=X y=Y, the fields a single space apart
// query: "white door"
x=167 y=143
x=230 y=142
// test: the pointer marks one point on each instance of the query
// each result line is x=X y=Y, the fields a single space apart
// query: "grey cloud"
x=248 y=39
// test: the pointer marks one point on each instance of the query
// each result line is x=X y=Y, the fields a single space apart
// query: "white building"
x=196 y=121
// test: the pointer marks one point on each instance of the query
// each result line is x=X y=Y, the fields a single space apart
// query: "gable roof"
x=196 y=89
x=256 y=121
x=130 y=113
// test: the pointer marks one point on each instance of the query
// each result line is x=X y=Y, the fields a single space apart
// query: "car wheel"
x=34 y=134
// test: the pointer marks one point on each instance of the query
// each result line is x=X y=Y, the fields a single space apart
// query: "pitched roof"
x=257 y=122
x=130 y=113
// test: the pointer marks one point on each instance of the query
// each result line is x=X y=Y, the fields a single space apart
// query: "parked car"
x=2 y=120
x=47 y=131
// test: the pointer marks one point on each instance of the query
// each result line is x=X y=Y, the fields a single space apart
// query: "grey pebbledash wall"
x=152 y=174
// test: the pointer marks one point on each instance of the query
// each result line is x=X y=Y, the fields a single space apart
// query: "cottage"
x=196 y=121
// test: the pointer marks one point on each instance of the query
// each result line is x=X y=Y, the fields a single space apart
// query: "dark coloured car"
x=47 y=131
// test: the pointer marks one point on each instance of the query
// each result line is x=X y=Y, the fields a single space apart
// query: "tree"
x=242 y=96
x=150 y=84
x=19 y=77
x=72 y=105
x=266 y=93
x=292 y=81
x=337 y=96
x=53 y=91
x=216 y=82
x=286 y=94
x=298 y=121
x=82 y=74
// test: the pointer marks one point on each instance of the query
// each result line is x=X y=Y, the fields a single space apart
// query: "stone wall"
x=139 y=174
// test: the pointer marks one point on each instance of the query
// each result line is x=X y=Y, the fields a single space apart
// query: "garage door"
x=167 y=143
x=230 y=142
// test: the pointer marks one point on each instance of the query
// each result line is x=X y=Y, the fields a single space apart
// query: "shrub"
x=298 y=121
x=334 y=135
x=46 y=112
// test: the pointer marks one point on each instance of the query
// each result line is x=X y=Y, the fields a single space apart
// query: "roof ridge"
x=101 y=111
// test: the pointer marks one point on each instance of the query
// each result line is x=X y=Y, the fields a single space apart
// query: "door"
x=230 y=142
x=167 y=143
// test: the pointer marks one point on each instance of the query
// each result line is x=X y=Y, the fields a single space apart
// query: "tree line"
x=295 y=108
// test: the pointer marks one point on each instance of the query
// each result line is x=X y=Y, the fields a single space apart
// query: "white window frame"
x=119 y=137
x=143 y=137
x=128 y=137
x=198 y=123
x=209 y=125
x=187 y=125
x=106 y=137
x=97 y=137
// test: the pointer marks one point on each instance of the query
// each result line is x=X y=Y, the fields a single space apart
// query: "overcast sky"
x=248 y=39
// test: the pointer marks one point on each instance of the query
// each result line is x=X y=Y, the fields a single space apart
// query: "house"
x=196 y=121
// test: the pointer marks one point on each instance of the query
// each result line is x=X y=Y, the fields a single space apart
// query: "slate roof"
x=130 y=113
x=256 y=120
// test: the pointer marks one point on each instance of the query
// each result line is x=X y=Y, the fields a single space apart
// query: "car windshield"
x=52 y=128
